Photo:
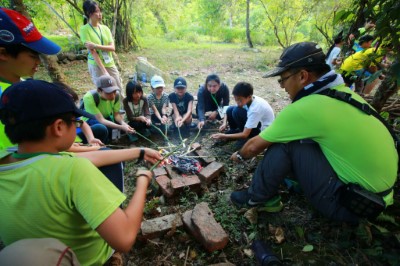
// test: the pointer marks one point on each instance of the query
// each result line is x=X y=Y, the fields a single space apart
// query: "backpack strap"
x=367 y=109
x=96 y=97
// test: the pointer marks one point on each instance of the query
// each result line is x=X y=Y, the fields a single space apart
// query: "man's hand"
x=200 y=124
x=90 y=45
x=222 y=127
x=152 y=156
x=218 y=136
x=144 y=173
x=235 y=158
x=128 y=129
x=164 y=119
x=96 y=142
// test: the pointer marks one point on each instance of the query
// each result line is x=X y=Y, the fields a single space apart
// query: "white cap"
x=157 y=81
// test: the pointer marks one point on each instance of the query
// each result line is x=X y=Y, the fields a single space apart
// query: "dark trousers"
x=237 y=118
x=94 y=122
x=115 y=173
x=99 y=131
x=138 y=125
x=305 y=161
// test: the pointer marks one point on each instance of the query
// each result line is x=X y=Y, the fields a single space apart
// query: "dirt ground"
x=297 y=235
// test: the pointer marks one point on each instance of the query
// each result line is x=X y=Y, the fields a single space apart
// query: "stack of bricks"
x=199 y=222
x=171 y=183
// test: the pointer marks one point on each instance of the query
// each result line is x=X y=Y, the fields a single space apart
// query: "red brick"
x=191 y=181
x=206 y=157
x=172 y=173
x=165 y=184
x=196 y=146
x=211 y=171
x=211 y=234
x=157 y=227
x=159 y=171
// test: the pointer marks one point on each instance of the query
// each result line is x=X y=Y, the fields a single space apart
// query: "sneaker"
x=242 y=199
x=193 y=125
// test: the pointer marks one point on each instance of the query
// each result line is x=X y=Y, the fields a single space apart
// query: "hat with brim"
x=17 y=29
x=107 y=84
x=34 y=100
x=302 y=54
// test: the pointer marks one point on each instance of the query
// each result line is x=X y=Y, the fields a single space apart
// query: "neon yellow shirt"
x=97 y=35
x=361 y=60
x=105 y=107
x=58 y=196
x=358 y=146
x=4 y=140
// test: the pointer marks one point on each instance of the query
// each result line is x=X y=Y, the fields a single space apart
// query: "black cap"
x=298 y=55
x=33 y=100
x=180 y=83
x=365 y=38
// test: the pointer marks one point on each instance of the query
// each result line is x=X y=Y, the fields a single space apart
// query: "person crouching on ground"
x=137 y=110
x=107 y=109
x=309 y=142
x=251 y=115
x=182 y=106
x=212 y=97
x=47 y=193
x=158 y=102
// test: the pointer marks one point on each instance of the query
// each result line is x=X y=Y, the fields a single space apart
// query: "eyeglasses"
x=78 y=122
x=281 y=80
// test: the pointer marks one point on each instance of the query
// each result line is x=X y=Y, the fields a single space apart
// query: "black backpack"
x=96 y=98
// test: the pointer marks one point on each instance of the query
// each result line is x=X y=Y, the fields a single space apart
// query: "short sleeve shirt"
x=97 y=35
x=259 y=111
x=182 y=104
x=159 y=103
x=59 y=196
x=358 y=146
x=106 y=108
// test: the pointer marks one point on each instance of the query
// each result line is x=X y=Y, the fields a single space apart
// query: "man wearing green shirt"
x=319 y=140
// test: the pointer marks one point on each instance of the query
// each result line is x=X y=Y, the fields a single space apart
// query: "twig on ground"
x=187 y=254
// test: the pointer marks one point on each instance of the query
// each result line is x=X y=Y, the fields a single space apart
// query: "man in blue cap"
x=321 y=141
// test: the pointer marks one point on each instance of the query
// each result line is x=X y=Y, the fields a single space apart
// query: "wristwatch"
x=240 y=158
x=141 y=156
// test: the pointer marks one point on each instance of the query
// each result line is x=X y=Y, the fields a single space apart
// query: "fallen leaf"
x=193 y=254
x=248 y=252
x=182 y=255
x=308 y=248
x=251 y=215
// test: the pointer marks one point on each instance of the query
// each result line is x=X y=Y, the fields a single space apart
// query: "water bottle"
x=264 y=255
x=144 y=79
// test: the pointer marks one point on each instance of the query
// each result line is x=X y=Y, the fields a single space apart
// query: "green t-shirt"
x=98 y=35
x=57 y=196
x=105 y=107
x=4 y=140
x=358 y=146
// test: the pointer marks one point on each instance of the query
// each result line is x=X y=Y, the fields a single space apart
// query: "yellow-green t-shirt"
x=105 y=107
x=98 y=35
x=57 y=196
x=358 y=146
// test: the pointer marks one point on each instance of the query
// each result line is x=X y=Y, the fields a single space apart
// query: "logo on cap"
x=6 y=36
x=29 y=28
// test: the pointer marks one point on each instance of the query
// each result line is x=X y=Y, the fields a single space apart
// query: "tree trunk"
x=387 y=88
x=248 y=24
x=49 y=61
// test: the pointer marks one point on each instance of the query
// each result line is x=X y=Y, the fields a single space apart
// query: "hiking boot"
x=132 y=137
x=242 y=199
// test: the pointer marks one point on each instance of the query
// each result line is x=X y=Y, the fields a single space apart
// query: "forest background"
x=240 y=40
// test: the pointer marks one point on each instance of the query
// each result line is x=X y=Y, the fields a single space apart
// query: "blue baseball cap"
x=33 y=100
x=180 y=83
x=17 y=29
